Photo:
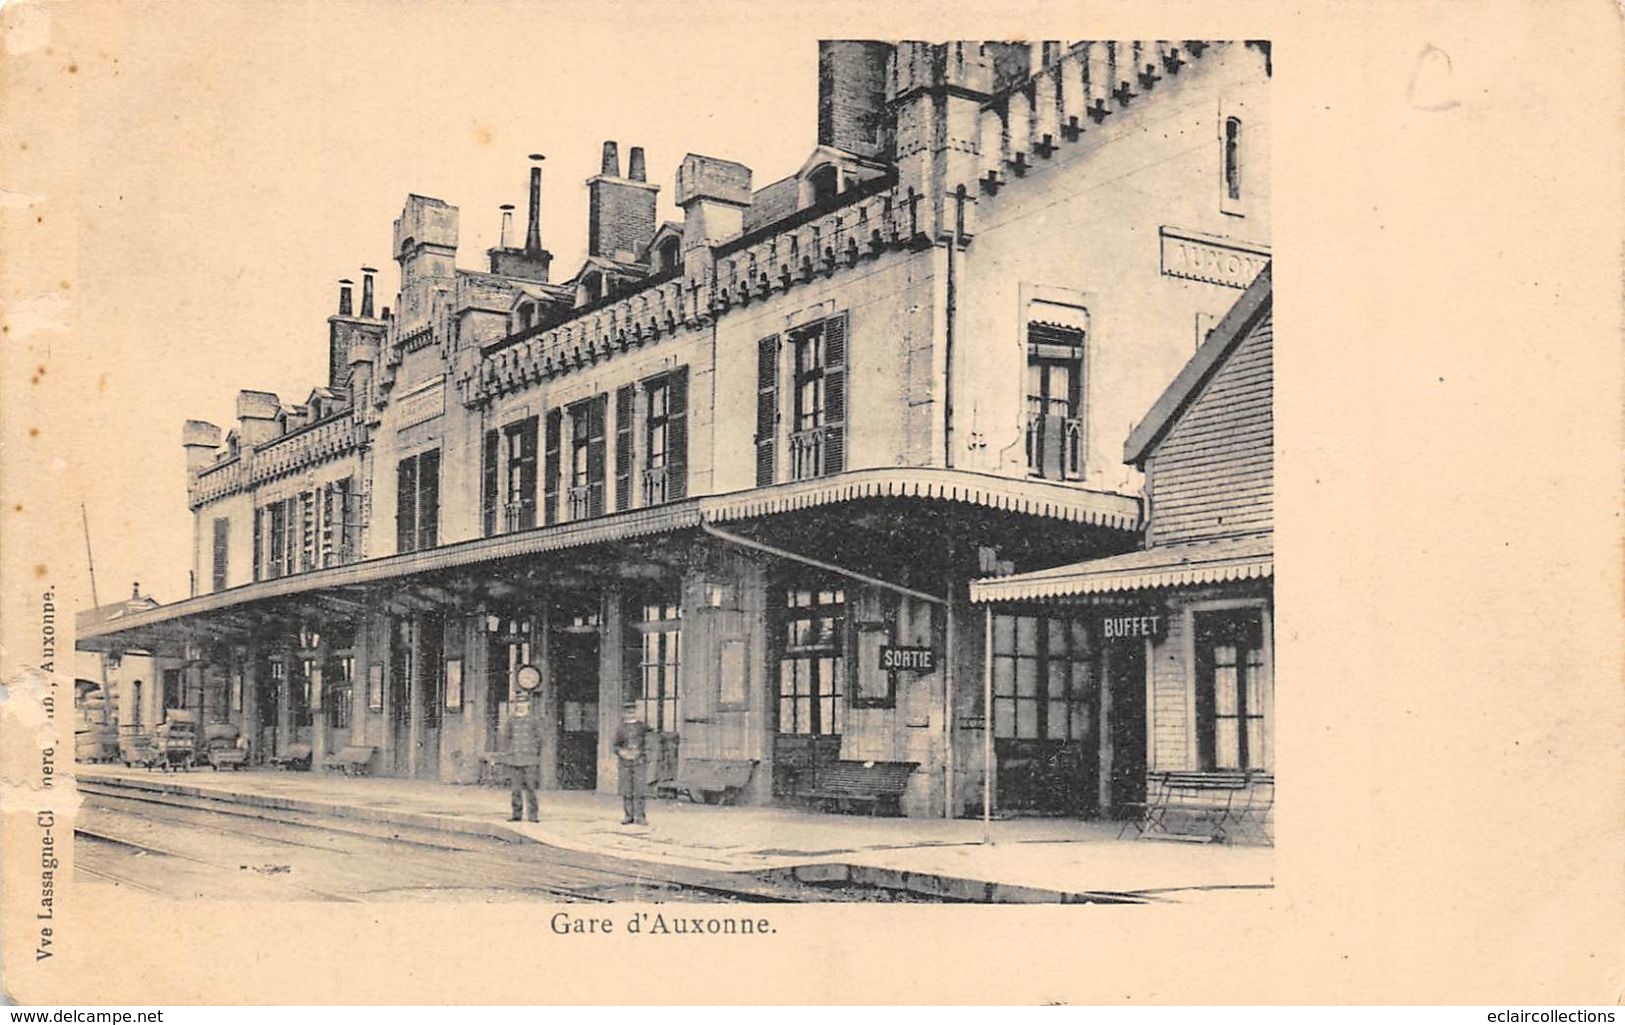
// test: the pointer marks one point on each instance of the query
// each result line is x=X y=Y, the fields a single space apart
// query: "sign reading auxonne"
x=920 y=660
x=1218 y=261
x=422 y=403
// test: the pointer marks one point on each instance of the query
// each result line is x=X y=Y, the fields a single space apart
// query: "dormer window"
x=670 y=255
x=527 y=315
x=592 y=288
x=825 y=183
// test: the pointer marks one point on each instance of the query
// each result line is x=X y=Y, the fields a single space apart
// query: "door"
x=573 y=647
x=1125 y=673
x=812 y=685
x=657 y=645
x=429 y=666
x=1045 y=705
x=397 y=698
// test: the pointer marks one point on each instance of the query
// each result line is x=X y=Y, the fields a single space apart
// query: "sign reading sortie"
x=918 y=660
x=1218 y=261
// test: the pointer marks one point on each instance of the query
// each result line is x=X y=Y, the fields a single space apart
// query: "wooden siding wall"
x=1213 y=473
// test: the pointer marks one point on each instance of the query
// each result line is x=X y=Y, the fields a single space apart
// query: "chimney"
x=345 y=309
x=714 y=195
x=620 y=211
x=507 y=223
x=852 y=110
x=135 y=591
x=201 y=440
x=533 y=230
x=366 y=291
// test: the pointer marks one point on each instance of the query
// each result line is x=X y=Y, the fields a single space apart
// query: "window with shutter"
x=259 y=542
x=1055 y=390
x=677 y=435
x=551 y=468
x=625 y=403
x=835 y=404
x=406 y=504
x=767 y=409
x=516 y=479
x=429 y=499
x=488 y=483
x=222 y=536
x=598 y=413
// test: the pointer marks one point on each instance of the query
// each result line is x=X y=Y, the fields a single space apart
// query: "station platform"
x=1027 y=860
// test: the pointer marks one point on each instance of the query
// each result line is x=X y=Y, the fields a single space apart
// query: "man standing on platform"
x=632 y=752
x=524 y=756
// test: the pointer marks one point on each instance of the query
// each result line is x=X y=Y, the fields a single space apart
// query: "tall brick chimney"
x=620 y=211
x=533 y=230
x=532 y=262
x=345 y=309
x=366 y=291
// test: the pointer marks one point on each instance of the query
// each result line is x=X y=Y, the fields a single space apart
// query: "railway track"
x=205 y=845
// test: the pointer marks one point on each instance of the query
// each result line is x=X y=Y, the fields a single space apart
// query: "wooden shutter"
x=406 y=505
x=767 y=408
x=550 y=468
x=222 y=534
x=625 y=402
x=429 y=499
x=527 y=473
x=488 y=481
x=259 y=540
x=835 y=394
x=677 y=435
x=347 y=525
x=597 y=412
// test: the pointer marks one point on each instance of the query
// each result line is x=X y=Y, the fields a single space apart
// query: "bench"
x=355 y=760
x=713 y=780
x=878 y=785
x=1208 y=806
x=296 y=758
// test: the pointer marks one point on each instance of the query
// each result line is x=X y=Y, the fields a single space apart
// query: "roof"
x=1248 y=557
x=1208 y=357
x=1034 y=498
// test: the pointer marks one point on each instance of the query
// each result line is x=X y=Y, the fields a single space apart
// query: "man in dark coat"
x=632 y=755
x=524 y=757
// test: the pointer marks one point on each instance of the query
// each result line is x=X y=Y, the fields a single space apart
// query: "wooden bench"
x=1186 y=805
x=355 y=760
x=296 y=757
x=878 y=785
x=713 y=780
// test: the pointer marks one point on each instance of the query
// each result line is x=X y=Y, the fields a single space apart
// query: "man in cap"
x=632 y=754
x=524 y=755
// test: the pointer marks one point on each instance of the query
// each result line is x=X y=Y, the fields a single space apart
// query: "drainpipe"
x=948 y=334
x=987 y=726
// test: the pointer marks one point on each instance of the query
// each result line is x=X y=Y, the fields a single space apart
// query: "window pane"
x=1255 y=682
x=803 y=715
x=826 y=676
x=1057 y=679
x=1057 y=637
x=1004 y=634
x=1027 y=718
x=1027 y=677
x=1080 y=721
x=1224 y=690
x=1004 y=676
x=787 y=713
x=1258 y=755
x=1027 y=634
x=1080 y=637
x=1004 y=717
x=1226 y=744
x=787 y=674
x=826 y=715
x=1055 y=721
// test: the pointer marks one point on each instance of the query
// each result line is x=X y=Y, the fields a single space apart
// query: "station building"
x=742 y=468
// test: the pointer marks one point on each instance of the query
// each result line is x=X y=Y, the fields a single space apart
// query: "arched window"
x=825 y=182
x=1232 y=157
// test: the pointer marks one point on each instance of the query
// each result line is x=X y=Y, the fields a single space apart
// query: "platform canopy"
x=1249 y=557
x=889 y=521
